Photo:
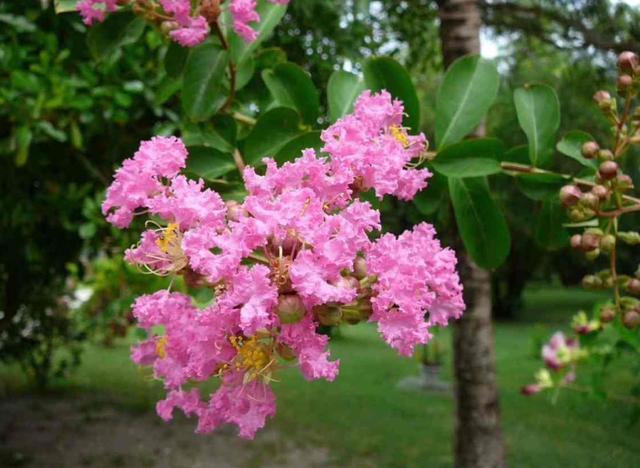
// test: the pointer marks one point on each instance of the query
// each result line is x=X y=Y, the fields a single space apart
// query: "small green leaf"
x=293 y=149
x=209 y=163
x=202 y=94
x=481 y=223
x=270 y=15
x=548 y=231
x=342 y=91
x=23 y=137
x=386 y=73
x=571 y=145
x=273 y=130
x=538 y=111
x=470 y=158
x=468 y=89
x=292 y=87
x=117 y=30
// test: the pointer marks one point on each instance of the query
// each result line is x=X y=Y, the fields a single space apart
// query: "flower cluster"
x=183 y=24
x=243 y=13
x=560 y=356
x=296 y=253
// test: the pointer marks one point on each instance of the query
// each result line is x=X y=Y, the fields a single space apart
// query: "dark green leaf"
x=23 y=137
x=342 y=91
x=548 y=231
x=571 y=145
x=468 y=89
x=175 y=59
x=245 y=72
x=481 y=223
x=293 y=149
x=385 y=73
x=273 y=130
x=220 y=134
x=430 y=199
x=538 y=112
x=209 y=163
x=292 y=87
x=202 y=94
x=116 y=31
x=470 y=158
x=540 y=186
x=518 y=154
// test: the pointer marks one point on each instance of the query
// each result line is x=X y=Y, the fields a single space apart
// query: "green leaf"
x=292 y=87
x=293 y=149
x=342 y=92
x=117 y=30
x=273 y=130
x=549 y=231
x=166 y=89
x=220 y=134
x=470 y=158
x=468 y=89
x=385 y=73
x=202 y=94
x=270 y=16
x=209 y=163
x=64 y=6
x=428 y=201
x=571 y=145
x=538 y=111
x=245 y=72
x=175 y=59
x=23 y=137
x=518 y=154
x=481 y=224
x=540 y=186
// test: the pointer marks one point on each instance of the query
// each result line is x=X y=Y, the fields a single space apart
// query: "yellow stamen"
x=254 y=357
x=161 y=347
x=399 y=134
x=168 y=238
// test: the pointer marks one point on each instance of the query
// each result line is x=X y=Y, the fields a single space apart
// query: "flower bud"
x=360 y=268
x=328 y=314
x=631 y=319
x=290 y=308
x=167 y=26
x=608 y=170
x=624 y=182
x=590 y=149
x=569 y=195
x=576 y=242
x=590 y=241
x=634 y=287
x=210 y=9
x=603 y=99
x=592 y=254
x=607 y=314
x=627 y=62
x=351 y=316
x=607 y=243
x=601 y=192
x=286 y=352
x=346 y=282
x=589 y=200
x=625 y=82
x=591 y=282
x=605 y=155
x=235 y=210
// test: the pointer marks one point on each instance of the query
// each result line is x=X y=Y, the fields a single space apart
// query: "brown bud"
x=589 y=200
x=328 y=314
x=631 y=319
x=576 y=242
x=624 y=83
x=627 y=62
x=608 y=170
x=634 y=287
x=590 y=149
x=290 y=308
x=607 y=314
x=346 y=282
x=624 y=182
x=210 y=9
x=235 y=210
x=569 y=195
x=607 y=243
x=603 y=99
x=360 y=268
x=601 y=192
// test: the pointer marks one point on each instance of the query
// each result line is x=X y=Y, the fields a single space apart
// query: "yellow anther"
x=400 y=135
x=161 y=347
x=168 y=238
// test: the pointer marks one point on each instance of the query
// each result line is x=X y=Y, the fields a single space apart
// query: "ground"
x=104 y=416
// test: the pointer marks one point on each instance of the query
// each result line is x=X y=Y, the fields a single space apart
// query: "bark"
x=478 y=436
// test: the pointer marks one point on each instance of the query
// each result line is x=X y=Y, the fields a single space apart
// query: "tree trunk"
x=478 y=437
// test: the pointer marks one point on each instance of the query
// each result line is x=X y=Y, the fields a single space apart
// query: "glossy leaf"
x=202 y=92
x=342 y=91
x=571 y=145
x=273 y=130
x=549 y=231
x=468 y=89
x=481 y=223
x=292 y=87
x=209 y=163
x=270 y=15
x=538 y=111
x=385 y=73
x=117 y=30
x=470 y=158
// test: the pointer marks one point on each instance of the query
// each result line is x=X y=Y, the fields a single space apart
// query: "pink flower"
x=559 y=351
x=191 y=32
x=244 y=12
x=95 y=10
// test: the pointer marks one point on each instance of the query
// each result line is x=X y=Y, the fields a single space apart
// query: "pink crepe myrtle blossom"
x=297 y=252
x=244 y=13
x=95 y=11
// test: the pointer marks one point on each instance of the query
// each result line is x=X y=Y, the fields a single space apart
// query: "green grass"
x=364 y=419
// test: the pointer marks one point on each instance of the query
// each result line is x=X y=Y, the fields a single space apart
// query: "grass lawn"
x=364 y=419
